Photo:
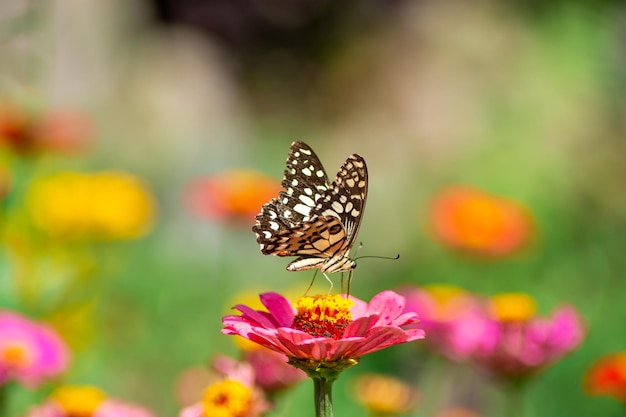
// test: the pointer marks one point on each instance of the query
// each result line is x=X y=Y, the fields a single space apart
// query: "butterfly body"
x=311 y=218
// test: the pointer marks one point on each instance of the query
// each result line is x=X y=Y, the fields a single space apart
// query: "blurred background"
x=183 y=112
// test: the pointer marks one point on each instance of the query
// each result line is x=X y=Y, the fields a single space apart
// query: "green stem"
x=323 y=397
x=515 y=399
x=4 y=399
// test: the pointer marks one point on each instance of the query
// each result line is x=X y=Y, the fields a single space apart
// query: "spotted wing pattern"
x=311 y=218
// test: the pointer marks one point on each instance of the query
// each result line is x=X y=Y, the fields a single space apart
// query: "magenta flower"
x=325 y=329
x=30 y=352
x=511 y=342
x=443 y=310
x=272 y=372
x=325 y=334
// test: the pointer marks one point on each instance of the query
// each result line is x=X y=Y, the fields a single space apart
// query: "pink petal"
x=388 y=304
x=279 y=307
x=360 y=326
x=259 y=318
x=380 y=338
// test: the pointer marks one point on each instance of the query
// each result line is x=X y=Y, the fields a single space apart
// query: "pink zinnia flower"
x=511 y=342
x=325 y=329
x=233 y=395
x=272 y=372
x=30 y=352
x=444 y=309
x=86 y=401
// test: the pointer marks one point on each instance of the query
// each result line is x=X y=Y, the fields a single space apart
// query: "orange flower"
x=474 y=221
x=607 y=376
x=25 y=133
x=236 y=194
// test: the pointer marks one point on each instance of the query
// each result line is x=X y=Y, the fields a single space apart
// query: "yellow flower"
x=385 y=396
x=78 y=401
x=103 y=206
x=513 y=307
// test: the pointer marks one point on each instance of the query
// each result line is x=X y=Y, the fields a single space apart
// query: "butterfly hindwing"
x=347 y=195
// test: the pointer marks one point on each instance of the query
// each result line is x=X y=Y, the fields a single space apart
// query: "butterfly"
x=311 y=218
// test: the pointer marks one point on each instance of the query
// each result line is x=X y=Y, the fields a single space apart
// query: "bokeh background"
x=196 y=99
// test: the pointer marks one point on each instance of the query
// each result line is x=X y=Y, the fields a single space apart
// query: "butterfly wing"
x=304 y=183
x=346 y=196
x=310 y=218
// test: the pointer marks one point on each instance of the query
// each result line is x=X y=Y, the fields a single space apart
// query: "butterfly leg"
x=329 y=280
x=347 y=282
x=311 y=284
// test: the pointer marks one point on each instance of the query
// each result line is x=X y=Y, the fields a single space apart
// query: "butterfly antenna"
x=311 y=284
x=380 y=257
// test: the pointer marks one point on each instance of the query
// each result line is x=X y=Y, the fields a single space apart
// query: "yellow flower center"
x=450 y=301
x=15 y=355
x=227 y=398
x=513 y=307
x=78 y=401
x=385 y=396
x=323 y=315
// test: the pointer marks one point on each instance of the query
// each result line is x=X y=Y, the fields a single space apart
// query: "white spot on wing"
x=306 y=172
x=337 y=207
x=274 y=226
x=307 y=200
x=320 y=173
x=267 y=234
x=302 y=209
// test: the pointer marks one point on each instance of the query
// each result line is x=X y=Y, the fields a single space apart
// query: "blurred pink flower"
x=85 y=401
x=475 y=222
x=444 y=309
x=272 y=372
x=237 y=195
x=325 y=329
x=519 y=347
x=233 y=395
x=30 y=352
x=115 y=408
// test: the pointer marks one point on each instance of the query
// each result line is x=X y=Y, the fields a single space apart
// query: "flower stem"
x=4 y=396
x=323 y=397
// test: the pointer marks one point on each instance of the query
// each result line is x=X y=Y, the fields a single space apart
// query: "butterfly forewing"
x=311 y=218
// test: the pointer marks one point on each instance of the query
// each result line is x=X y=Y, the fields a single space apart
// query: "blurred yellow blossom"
x=513 y=306
x=102 y=206
x=385 y=396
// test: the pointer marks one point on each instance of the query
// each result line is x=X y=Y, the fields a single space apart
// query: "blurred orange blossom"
x=59 y=130
x=473 y=221
x=607 y=376
x=236 y=194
